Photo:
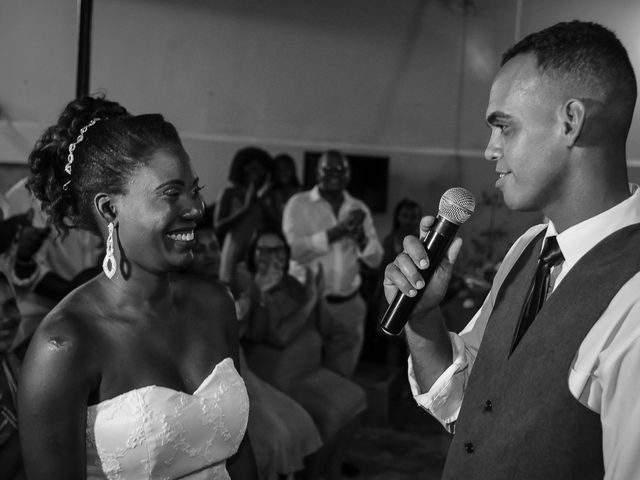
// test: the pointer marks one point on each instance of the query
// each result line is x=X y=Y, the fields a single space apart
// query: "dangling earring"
x=109 y=262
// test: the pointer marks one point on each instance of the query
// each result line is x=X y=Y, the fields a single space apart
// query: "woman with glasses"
x=285 y=348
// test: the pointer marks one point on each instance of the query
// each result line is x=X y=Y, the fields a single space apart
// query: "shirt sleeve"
x=372 y=253
x=615 y=381
x=304 y=247
x=444 y=398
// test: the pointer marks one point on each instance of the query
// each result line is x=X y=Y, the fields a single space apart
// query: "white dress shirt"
x=305 y=221
x=605 y=372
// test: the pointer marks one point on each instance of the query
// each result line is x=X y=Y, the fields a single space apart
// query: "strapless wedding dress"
x=159 y=433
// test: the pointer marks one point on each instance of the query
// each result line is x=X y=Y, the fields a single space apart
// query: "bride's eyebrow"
x=170 y=182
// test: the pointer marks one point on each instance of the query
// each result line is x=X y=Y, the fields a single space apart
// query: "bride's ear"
x=104 y=207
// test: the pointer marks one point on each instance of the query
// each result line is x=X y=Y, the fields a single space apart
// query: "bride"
x=134 y=374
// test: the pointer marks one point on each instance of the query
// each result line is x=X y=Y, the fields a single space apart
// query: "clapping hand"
x=356 y=228
x=314 y=283
x=355 y=218
x=349 y=226
x=269 y=276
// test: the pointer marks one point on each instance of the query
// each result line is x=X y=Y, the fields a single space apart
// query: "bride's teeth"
x=183 y=237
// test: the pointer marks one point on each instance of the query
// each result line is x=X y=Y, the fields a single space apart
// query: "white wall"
x=408 y=79
x=387 y=77
x=38 y=59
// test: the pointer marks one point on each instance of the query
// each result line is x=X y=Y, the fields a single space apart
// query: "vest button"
x=488 y=406
x=468 y=447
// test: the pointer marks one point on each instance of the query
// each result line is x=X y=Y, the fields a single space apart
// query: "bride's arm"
x=53 y=390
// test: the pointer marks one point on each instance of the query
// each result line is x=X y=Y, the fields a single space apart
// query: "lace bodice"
x=159 y=433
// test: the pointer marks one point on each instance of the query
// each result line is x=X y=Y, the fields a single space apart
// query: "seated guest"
x=206 y=253
x=285 y=348
x=282 y=432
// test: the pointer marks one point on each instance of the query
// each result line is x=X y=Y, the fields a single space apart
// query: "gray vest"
x=519 y=421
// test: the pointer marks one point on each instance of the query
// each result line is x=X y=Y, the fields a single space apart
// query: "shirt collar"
x=315 y=196
x=582 y=237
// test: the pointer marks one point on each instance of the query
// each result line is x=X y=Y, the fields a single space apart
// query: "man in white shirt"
x=329 y=229
x=559 y=112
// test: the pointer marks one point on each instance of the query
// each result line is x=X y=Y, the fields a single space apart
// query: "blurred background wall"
x=403 y=79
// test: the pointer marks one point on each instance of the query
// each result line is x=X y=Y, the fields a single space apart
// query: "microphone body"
x=436 y=243
x=456 y=206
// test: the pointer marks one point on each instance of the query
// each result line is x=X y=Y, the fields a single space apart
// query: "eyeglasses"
x=280 y=249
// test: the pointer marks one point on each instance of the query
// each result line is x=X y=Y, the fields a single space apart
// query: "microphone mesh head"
x=456 y=205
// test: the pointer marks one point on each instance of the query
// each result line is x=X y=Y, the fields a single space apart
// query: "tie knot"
x=551 y=253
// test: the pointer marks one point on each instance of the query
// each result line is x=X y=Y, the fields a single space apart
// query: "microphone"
x=456 y=206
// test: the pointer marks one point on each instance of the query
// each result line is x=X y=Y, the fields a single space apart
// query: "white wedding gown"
x=159 y=433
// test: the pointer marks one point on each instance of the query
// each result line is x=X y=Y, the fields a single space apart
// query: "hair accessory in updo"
x=72 y=147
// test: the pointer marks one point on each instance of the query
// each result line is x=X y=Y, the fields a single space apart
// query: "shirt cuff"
x=444 y=398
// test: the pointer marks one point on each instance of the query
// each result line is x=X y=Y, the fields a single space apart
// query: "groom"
x=545 y=392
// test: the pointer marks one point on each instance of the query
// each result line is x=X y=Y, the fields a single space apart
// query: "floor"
x=401 y=442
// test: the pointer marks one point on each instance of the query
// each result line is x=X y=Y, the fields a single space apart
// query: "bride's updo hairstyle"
x=94 y=147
